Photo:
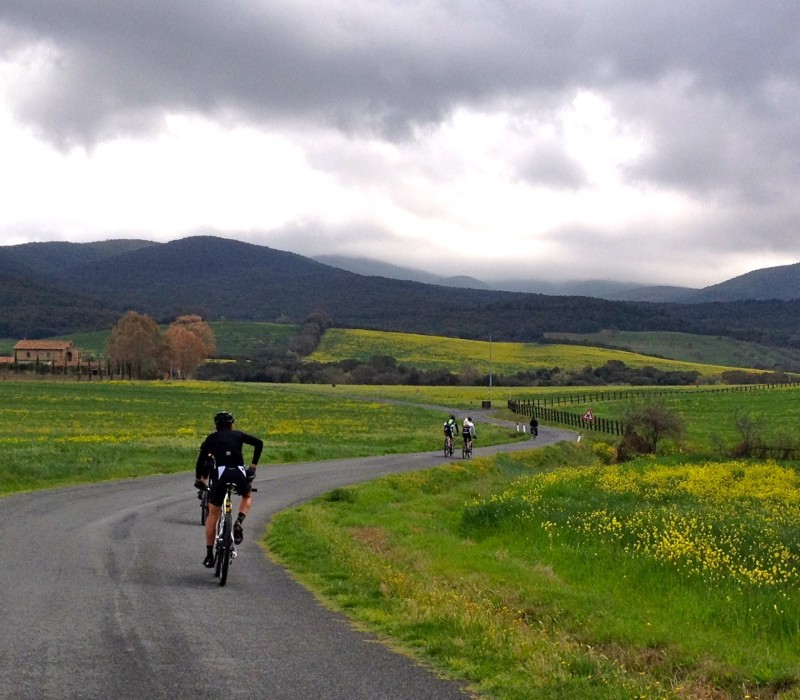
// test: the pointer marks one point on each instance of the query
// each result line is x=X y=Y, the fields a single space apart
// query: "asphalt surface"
x=104 y=596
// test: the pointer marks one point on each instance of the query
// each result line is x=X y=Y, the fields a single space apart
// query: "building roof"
x=43 y=345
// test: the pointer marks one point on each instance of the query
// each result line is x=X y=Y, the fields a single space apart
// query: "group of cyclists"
x=468 y=432
x=220 y=462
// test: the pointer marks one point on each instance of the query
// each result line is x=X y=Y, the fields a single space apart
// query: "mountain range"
x=58 y=288
x=781 y=282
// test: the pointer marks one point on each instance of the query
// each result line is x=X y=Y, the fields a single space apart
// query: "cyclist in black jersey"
x=224 y=445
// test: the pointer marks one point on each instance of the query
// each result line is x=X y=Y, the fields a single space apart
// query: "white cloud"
x=633 y=141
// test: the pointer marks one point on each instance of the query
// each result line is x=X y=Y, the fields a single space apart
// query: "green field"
x=710 y=413
x=72 y=432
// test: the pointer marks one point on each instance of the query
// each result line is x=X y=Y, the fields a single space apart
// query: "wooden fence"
x=554 y=415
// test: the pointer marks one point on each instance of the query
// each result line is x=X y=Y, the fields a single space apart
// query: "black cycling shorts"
x=225 y=475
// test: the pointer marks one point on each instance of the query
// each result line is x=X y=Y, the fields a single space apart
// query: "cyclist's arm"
x=257 y=444
x=199 y=466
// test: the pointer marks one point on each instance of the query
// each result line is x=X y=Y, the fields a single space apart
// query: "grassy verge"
x=544 y=574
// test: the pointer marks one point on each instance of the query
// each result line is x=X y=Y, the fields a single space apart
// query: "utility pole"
x=490 y=368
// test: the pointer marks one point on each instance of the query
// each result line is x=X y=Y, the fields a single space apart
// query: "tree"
x=190 y=341
x=136 y=347
x=198 y=327
x=646 y=425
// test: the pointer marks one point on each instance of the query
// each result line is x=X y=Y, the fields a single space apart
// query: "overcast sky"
x=647 y=141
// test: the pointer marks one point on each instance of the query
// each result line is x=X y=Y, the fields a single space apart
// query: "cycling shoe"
x=238 y=532
x=208 y=562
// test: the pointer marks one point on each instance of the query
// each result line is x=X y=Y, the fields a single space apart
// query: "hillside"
x=706 y=349
x=428 y=352
x=62 y=288
x=782 y=282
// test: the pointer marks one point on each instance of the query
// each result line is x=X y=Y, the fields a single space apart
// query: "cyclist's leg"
x=211 y=523
x=244 y=488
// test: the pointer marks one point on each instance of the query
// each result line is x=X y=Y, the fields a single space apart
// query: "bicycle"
x=448 y=446
x=466 y=449
x=224 y=546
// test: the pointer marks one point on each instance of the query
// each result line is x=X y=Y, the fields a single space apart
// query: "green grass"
x=57 y=433
x=433 y=352
x=508 y=572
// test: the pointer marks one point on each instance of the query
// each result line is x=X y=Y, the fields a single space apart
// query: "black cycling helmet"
x=223 y=418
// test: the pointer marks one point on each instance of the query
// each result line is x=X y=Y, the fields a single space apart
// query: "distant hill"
x=377 y=268
x=58 y=288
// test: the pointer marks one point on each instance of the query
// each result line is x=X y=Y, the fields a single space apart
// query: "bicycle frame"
x=224 y=546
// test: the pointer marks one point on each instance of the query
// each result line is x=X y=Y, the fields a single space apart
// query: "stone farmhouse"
x=46 y=352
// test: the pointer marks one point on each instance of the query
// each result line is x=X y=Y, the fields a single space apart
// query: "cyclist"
x=225 y=446
x=468 y=431
x=202 y=472
x=534 y=427
x=450 y=429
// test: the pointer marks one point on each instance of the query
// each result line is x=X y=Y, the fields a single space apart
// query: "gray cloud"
x=382 y=66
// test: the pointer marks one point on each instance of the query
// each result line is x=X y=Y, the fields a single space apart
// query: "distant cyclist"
x=468 y=431
x=225 y=447
x=534 y=427
x=450 y=429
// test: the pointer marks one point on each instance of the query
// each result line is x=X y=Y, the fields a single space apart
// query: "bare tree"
x=135 y=347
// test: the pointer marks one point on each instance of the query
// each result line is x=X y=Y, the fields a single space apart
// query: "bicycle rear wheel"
x=219 y=545
x=446 y=448
x=227 y=543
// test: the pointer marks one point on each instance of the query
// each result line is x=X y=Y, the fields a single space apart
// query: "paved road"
x=104 y=596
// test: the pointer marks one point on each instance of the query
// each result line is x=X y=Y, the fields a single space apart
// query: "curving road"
x=104 y=596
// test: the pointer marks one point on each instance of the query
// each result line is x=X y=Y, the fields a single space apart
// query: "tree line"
x=137 y=347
